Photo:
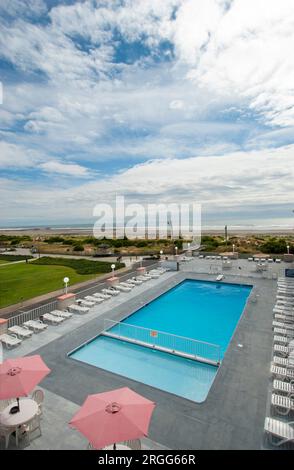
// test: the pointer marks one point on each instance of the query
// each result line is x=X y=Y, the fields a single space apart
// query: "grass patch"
x=81 y=266
x=24 y=281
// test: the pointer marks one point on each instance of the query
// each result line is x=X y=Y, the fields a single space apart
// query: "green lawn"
x=23 y=281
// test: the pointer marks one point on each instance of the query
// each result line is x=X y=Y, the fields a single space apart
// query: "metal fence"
x=179 y=345
x=22 y=317
x=214 y=267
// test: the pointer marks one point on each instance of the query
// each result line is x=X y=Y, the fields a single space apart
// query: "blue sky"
x=155 y=100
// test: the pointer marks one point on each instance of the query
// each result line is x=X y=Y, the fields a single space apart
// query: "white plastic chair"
x=38 y=396
x=134 y=444
x=6 y=432
x=30 y=427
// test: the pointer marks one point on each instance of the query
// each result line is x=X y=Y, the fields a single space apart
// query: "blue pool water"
x=204 y=311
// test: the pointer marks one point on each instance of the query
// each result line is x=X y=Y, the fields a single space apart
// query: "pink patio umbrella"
x=19 y=376
x=115 y=416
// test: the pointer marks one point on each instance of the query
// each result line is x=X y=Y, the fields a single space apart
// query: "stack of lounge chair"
x=279 y=427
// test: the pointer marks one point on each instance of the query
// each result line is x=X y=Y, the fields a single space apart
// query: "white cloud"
x=64 y=169
x=249 y=54
x=27 y=8
x=18 y=157
x=15 y=156
x=237 y=183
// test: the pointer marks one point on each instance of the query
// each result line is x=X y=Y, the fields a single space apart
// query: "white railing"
x=22 y=317
x=167 y=342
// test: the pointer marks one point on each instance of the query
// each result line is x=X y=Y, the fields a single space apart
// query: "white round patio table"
x=118 y=447
x=28 y=409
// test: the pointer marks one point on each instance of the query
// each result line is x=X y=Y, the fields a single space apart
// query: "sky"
x=156 y=100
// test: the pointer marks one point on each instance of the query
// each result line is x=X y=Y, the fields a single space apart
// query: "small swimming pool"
x=203 y=311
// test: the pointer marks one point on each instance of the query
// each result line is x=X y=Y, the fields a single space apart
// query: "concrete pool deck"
x=233 y=415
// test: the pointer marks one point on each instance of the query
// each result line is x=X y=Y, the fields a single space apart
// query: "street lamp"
x=161 y=253
x=233 y=248
x=288 y=249
x=176 y=248
x=66 y=281
x=113 y=268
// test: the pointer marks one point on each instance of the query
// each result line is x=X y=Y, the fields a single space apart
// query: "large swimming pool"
x=205 y=312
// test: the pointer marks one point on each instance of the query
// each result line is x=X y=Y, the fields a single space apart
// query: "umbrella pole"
x=114 y=446
x=18 y=404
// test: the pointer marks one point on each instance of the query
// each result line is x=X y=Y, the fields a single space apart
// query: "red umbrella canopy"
x=18 y=377
x=115 y=416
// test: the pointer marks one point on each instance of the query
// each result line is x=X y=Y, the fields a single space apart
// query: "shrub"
x=10 y=258
x=81 y=266
x=275 y=246
x=78 y=248
x=54 y=240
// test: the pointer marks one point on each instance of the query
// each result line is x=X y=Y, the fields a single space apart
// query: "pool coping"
x=164 y=399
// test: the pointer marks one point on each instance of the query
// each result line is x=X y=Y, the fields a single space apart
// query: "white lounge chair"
x=123 y=288
x=22 y=332
x=283 y=387
x=284 y=332
x=289 y=298
x=284 y=311
x=286 y=290
x=281 y=404
x=284 y=361
x=60 y=313
x=111 y=291
x=279 y=432
x=284 y=302
x=85 y=303
x=99 y=295
x=52 y=319
x=96 y=300
x=281 y=339
x=135 y=282
x=157 y=271
x=281 y=350
x=283 y=318
x=154 y=275
x=278 y=324
x=282 y=372
x=127 y=284
x=144 y=278
x=10 y=341
x=284 y=307
x=78 y=309
x=36 y=325
x=220 y=277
